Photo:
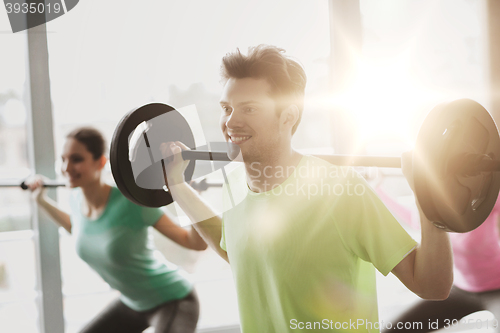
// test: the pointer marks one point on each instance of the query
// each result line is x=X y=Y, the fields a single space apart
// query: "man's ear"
x=290 y=116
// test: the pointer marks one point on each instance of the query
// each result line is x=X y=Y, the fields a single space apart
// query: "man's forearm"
x=204 y=218
x=433 y=271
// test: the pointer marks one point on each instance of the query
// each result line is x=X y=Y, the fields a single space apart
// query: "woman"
x=112 y=237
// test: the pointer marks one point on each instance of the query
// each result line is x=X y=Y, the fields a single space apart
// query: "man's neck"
x=266 y=174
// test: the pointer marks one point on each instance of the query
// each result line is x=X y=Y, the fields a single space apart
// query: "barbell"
x=455 y=160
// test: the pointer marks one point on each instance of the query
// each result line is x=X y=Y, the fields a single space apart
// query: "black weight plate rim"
x=121 y=167
x=423 y=190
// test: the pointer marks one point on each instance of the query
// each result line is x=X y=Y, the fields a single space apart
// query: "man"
x=300 y=234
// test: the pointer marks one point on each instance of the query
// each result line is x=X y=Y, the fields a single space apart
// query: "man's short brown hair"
x=285 y=75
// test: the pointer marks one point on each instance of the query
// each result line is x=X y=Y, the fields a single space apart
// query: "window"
x=18 y=286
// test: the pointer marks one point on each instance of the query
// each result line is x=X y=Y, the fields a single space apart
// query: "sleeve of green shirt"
x=369 y=229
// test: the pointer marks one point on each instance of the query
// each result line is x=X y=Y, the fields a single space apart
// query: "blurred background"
x=375 y=69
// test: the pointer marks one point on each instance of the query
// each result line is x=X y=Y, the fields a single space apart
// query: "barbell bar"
x=201 y=185
x=469 y=164
x=347 y=160
x=22 y=184
x=455 y=160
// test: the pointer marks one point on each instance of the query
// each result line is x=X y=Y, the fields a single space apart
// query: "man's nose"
x=234 y=120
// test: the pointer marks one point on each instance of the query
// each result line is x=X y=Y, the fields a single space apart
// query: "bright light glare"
x=382 y=99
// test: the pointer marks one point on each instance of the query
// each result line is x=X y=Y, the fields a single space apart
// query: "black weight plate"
x=452 y=201
x=142 y=180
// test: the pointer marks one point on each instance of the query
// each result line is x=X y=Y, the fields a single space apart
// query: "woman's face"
x=79 y=165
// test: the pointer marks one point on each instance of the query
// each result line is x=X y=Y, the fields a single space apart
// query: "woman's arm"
x=60 y=217
x=49 y=206
x=187 y=238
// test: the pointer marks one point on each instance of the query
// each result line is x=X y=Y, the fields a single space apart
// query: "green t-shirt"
x=117 y=246
x=302 y=254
